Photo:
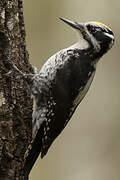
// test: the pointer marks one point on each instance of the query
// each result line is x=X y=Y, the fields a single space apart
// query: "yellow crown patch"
x=99 y=23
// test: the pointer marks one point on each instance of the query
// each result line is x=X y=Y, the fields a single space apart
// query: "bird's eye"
x=98 y=29
x=91 y=29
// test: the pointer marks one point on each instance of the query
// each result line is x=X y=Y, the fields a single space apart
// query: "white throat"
x=81 y=44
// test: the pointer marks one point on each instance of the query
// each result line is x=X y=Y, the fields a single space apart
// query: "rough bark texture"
x=15 y=101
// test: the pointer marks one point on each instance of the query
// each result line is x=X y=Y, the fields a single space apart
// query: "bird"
x=63 y=81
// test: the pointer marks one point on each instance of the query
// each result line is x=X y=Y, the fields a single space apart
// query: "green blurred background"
x=89 y=147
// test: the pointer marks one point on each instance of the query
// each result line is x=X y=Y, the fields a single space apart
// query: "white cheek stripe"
x=109 y=35
x=93 y=40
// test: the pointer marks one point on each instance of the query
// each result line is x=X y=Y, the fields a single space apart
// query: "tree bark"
x=15 y=98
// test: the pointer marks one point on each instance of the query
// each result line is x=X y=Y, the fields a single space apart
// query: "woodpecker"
x=62 y=83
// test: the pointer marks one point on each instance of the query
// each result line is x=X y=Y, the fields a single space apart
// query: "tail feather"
x=34 y=152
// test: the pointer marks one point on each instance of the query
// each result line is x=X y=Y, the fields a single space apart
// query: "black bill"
x=71 y=23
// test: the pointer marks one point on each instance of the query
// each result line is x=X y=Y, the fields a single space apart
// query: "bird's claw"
x=9 y=73
x=11 y=67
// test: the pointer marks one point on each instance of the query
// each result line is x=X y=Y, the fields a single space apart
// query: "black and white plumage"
x=62 y=83
x=65 y=78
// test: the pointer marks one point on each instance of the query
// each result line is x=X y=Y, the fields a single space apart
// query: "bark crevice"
x=15 y=97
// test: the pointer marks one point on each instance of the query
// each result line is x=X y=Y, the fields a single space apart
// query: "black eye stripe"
x=110 y=32
x=93 y=28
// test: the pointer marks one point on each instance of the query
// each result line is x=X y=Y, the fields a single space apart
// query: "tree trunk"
x=15 y=98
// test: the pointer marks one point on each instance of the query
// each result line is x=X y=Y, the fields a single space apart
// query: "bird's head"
x=100 y=34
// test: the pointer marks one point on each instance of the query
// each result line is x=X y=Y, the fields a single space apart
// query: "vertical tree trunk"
x=15 y=101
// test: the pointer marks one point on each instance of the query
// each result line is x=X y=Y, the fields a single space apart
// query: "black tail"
x=34 y=152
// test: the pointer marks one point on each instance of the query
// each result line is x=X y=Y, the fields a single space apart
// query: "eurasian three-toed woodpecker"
x=62 y=83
